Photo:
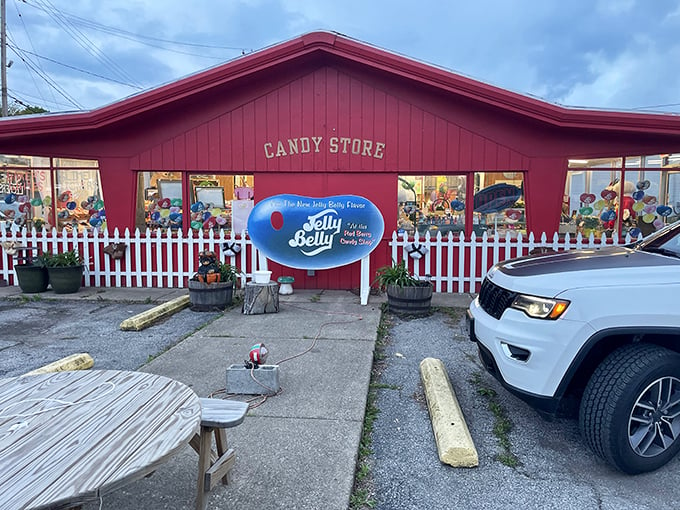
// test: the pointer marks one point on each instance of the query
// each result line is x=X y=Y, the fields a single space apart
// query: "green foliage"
x=228 y=273
x=16 y=109
x=65 y=259
x=396 y=274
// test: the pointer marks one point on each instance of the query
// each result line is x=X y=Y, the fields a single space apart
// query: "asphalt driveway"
x=552 y=466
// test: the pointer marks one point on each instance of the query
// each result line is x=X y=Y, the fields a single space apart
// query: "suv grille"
x=494 y=299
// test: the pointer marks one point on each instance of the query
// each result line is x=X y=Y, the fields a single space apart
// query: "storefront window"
x=217 y=201
x=159 y=200
x=637 y=200
x=221 y=201
x=499 y=204
x=431 y=204
x=27 y=186
x=78 y=192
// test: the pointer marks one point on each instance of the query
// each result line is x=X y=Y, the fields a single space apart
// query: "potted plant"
x=32 y=275
x=212 y=287
x=406 y=294
x=65 y=271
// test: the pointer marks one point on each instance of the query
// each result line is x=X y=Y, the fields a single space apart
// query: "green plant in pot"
x=65 y=271
x=32 y=275
x=212 y=287
x=406 y=294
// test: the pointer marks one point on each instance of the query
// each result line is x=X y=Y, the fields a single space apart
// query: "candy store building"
x=323 y=115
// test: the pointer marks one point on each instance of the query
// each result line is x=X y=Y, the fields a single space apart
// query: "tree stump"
x=261 y=298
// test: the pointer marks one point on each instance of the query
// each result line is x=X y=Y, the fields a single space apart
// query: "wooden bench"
x=216 y=415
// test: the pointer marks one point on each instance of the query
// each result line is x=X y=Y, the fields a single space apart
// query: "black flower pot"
x=65 y=279
x=32 y=278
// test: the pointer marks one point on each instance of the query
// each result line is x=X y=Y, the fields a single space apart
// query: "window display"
x=499 y=207
x=28 y=185
x=638 y=199
x=431 y=203
x=216 y=201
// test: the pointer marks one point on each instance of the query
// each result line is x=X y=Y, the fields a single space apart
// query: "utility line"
x=15 y=49
x=30 y=40
x=85 y=42
x=47 y=79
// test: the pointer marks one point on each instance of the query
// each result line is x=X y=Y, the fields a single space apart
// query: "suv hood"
x=554 y=273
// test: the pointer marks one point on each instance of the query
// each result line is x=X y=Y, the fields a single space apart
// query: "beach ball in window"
x=648 y=218
x=196 y=225
x=164 y=203
x=206 y=215
x=10 y=198
x=215 y=211
x=210 y=222
x=95 y=222
x=63 y=214
x=36 y=202
x=649 y=209
x=174 y=216
x=638 y=206
x=155 y=216
x=643 y=185
x=638 y=195
x=165 y=213
x=608 y=216
x=586 y=211
x=658 y=223
x=176 y=202
x=600 y=204
x=24 y=208
x=47 y=201
x=634 y=232
x=174 y=208
x=22 y=198
x=99 y=204
x=71 y=205
x=221 y=220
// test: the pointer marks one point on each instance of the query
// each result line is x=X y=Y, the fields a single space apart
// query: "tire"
x=630 y=410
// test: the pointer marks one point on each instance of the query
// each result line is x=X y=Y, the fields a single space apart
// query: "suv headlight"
x=540 y=308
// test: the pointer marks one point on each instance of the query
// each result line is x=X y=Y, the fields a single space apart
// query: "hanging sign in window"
x=315 y=233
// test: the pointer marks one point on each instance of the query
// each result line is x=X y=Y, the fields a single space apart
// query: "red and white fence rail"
x=458 y=265
x=159 y=259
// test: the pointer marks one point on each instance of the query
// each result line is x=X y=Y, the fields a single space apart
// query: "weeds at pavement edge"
x=363 y=494
x=502 y=423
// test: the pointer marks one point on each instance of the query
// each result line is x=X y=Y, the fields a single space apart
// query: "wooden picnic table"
x=69 y=437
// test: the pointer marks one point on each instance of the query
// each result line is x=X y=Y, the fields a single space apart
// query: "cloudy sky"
x=613 y=54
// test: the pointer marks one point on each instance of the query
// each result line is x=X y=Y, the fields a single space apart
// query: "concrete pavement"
x=295 y=450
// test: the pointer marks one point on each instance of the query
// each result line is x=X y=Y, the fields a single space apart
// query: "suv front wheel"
x=630 y=411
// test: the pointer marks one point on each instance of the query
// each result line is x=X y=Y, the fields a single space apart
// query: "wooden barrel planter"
x=210 y=297
x=410 y=300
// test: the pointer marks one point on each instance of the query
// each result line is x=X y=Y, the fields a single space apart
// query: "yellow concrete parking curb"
x=81 y=361
x=454 y=442
x=145 y=319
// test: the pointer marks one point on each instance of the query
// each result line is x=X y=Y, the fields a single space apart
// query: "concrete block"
x=263 y=380
x=454 y=442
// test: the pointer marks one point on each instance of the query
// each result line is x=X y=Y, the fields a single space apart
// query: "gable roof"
x=322 y=43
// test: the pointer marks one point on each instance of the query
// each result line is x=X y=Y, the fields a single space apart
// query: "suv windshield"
x=666 y=241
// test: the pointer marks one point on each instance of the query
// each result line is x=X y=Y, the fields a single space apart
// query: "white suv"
x=598 y=329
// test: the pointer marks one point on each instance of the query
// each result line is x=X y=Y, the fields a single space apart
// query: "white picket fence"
x=157 y=259
x=151 y=259
x=458 y=265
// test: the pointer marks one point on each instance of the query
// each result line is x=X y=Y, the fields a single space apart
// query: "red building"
x=324 y=115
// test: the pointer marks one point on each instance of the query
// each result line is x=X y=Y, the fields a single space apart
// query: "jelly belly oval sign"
x=315 y=233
